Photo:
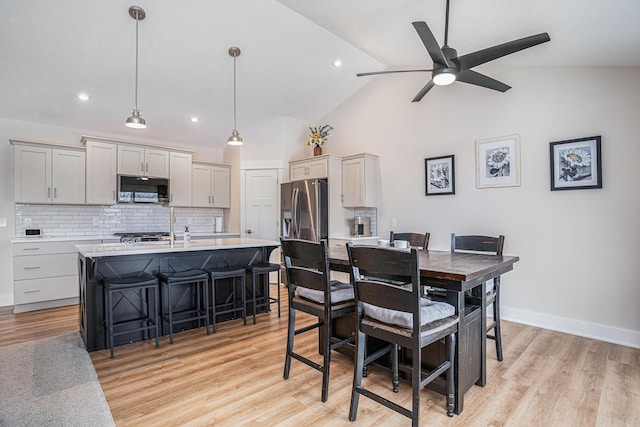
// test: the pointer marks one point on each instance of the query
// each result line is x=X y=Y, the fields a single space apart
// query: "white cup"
x=400 y=244
x=383 y=243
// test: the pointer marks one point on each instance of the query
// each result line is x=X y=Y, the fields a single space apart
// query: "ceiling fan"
x=449 y=67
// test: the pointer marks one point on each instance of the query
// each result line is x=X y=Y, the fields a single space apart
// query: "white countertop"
x=116 y=249
x=354 y=238
x=54 y=238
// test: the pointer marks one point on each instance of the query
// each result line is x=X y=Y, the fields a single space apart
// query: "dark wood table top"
x=457 y=271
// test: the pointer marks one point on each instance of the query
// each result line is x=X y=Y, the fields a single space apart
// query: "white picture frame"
x=498 y=162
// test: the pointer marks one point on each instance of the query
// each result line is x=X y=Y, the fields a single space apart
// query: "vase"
x=317 y=150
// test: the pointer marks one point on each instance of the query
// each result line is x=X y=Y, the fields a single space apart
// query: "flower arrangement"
x=319 y=135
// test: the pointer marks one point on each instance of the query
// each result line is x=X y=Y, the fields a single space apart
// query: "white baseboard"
x=596 y=331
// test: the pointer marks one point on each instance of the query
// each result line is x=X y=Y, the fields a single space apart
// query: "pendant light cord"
x=235 y=125
x=136 y=88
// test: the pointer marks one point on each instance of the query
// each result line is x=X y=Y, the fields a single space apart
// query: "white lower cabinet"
x=45 y=274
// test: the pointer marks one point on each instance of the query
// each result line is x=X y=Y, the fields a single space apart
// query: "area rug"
x=51 y=382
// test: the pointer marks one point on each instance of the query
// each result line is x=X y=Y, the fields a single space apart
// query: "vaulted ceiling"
x=52 y=50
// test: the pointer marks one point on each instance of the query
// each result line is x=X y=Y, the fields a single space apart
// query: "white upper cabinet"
x=48 y=174
x=138 y=160
x=309 y=168
x=359 y=181
x=210 y=186
x=180 y=179
x=102 y=178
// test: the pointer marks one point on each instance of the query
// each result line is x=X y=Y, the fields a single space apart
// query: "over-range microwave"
x=136 y=189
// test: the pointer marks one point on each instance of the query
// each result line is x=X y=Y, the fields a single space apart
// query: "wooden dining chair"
x=311 y=291
x=494 y=245
x=399 y=315
x=415 y=239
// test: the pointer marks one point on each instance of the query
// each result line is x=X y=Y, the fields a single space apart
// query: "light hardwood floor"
x=234 y=378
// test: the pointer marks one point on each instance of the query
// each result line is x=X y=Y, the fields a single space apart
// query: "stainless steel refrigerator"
x=304 y=210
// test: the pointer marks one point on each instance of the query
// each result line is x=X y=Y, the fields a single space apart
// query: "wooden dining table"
x=456 y=273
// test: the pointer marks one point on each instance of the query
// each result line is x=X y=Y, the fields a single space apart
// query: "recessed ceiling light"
x=337 y=63
x=193 y=119
x=83 y=97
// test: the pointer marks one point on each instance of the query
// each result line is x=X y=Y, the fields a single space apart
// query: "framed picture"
x=498 y=162
x=576 y=164
x=440 y=175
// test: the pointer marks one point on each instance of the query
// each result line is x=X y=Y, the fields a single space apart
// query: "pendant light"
x=235 y=138
x=135 y=120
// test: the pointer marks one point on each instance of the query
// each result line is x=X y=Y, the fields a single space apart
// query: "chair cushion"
x=429 y=312
x=340 y=292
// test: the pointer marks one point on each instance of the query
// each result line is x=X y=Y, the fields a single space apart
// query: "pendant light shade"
x=135 y=121
x=235 y=138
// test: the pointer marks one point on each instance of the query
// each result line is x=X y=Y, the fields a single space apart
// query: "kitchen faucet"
x=172 y=221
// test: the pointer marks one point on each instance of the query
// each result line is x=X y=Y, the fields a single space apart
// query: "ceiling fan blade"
x=423 y=91
x=489 y=54
x=373 y=73
x=475 y=78
x=430 y=43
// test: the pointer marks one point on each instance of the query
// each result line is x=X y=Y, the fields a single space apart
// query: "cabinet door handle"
x=213 y=199
x=31 y=249
x=209 y=198
x=146 y=168
x=114 y=194
x=48 y=192
x=32 y=292
x=171 y=198
x=31 y=268
x=142 y=167
x=55 y=192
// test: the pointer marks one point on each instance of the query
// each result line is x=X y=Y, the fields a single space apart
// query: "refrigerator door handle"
x=318 y=203
x=295 y=213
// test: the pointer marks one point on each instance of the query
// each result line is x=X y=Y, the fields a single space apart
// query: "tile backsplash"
x=70 y=221
x=372 y=213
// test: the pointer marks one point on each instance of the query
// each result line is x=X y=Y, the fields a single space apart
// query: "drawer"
x=36 y=290
x=35 y=267
x=45 y=248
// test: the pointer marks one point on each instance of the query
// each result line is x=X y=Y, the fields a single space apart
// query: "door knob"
x=248 y=231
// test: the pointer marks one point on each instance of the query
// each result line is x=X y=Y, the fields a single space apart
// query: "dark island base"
x=93 y=270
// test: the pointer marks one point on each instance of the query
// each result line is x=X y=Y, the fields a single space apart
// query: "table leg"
x=457 y=300
x=482 y=381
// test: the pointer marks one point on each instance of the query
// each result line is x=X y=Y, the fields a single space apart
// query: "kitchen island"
x=108 y=260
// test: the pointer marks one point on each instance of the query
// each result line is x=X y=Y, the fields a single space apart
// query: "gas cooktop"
x=143 y=236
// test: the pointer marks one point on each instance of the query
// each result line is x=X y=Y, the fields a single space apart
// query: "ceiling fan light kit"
x=448 y=67
x=135 y=121
x=444 y=76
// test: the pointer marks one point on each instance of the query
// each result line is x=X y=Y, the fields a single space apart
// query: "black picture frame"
x=440 y=177
x=576 y=164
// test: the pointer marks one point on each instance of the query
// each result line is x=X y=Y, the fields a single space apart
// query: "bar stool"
x=141 y=283
x=198 y=280
x=229 y=306
x=266 y=300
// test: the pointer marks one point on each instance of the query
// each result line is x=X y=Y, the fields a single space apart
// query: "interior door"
x=261 y=204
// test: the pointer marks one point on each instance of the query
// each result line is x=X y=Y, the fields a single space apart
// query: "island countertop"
x=117 y=249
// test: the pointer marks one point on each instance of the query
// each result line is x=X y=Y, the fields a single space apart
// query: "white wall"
x=579 y=268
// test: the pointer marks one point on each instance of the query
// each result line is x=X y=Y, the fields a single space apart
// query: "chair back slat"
x=306 y=264
x=415 y=239
x=305 y=253
x=371 y=263
x=477 y=243
x=300 y=276
x=385 y=295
